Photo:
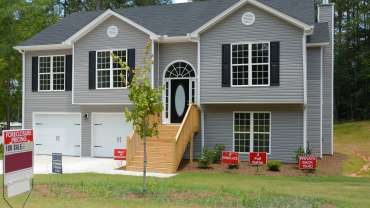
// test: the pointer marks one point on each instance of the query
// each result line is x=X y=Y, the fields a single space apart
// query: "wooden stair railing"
x=165 y=152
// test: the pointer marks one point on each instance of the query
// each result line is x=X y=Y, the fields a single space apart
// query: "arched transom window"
x=180 y=70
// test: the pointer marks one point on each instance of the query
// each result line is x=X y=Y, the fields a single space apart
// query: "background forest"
x=21 y=19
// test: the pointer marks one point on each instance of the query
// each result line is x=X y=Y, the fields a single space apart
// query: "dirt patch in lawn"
x=48 y=191
x=327 y=166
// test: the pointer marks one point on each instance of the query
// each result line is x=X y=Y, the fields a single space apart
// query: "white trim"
x=152 y=65
x=176 y=39
x=311 y=45
x=250 y=63
x=60 y=113
x=73 y=73
x=321 y=96
x=51 y=73
x=23 y=86
x=198 y=77
x=262 y=102
x=102 y=103
x=100 y=19
x=43 y=47
x=304 y=53
x=241 y=3
x=165 y=80
x=111 y=69
x=251 y=130
x=332 y=78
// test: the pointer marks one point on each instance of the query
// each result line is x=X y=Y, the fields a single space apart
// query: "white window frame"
x=251 y=130
x=51 y=74
x=111 y=69
x=250 y=64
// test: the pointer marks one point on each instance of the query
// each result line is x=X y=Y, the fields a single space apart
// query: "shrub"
x=274 y=165
x=233 y=167
x=216 y=156
x=205 y=159
x=300 y=152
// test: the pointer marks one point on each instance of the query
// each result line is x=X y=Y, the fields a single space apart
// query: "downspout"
x=23 y=85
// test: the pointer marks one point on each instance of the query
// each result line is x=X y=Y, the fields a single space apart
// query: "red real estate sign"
x=257 y=158
x=307 y=162
x=230 y=158
x=120 y=154
x=18 y=161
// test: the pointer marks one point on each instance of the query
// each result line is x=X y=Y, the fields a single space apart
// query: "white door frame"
x=92 y=127
x=60 y=113
x=165 y=80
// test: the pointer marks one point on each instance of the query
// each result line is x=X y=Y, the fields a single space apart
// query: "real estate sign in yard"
x=18 y=161
x=257 y=158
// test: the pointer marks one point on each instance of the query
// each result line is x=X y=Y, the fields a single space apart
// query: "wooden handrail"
x=189 y=126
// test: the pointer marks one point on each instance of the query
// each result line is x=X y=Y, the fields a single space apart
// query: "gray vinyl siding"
x=97 y=39
x=169 y=52
x=314 y=100
x=266 y=28
x=44 y=101
x=327 y=120
x=286 y=127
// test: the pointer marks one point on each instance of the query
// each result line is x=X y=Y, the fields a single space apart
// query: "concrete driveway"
x=86 y=165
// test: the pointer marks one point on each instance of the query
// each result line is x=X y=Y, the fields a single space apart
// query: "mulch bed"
x=327 y=166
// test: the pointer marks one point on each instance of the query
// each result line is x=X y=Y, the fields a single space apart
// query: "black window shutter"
x=275 y=64
x=92 y=69
x=68 y=82
x=131 y=64
x=35 y=76
x=226 y=58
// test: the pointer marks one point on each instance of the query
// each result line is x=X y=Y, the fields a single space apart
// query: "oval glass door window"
x=180 y=100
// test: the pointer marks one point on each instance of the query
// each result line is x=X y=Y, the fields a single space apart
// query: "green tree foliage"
x=19 y=19
x=352 y=59
x=147 y=103
x=66 y=7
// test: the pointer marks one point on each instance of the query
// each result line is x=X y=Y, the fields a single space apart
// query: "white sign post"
x=17 y=162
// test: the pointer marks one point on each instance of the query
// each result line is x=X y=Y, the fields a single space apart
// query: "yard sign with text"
x=18 y=161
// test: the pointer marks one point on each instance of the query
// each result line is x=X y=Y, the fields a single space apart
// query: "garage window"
x=51 y=73
x=109 y=72
x=252 y=132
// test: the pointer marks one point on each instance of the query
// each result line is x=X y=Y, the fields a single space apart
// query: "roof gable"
x=166 y=20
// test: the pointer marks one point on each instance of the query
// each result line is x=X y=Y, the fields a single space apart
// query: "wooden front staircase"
x=164 y=152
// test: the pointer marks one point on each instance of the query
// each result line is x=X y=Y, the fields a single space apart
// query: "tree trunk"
x=98 y=4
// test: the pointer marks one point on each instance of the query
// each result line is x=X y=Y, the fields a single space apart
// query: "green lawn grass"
x=198 y=190
x=349 y=138
x=214 y=189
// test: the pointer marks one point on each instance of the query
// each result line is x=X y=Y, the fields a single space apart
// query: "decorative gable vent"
x=248 y=18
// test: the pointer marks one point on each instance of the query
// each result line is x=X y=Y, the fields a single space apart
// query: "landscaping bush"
x=274 y=165
x=233 y=167
x=205 y=158
x=216 y=156
x=300 y=152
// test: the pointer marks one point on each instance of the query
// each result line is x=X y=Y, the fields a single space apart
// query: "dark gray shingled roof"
x=320 y=33
x=171 y=20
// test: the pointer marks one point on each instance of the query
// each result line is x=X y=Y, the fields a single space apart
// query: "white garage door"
x=110 y=131
x=59 y=133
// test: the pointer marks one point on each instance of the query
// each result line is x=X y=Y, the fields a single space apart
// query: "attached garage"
x=109 y=131
x=57 y=132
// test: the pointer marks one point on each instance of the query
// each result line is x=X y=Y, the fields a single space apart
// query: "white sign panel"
x=18 y=161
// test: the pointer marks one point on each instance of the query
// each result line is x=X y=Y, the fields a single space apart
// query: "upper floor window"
x=109 y=72
x=51 y=73
x=250 y=64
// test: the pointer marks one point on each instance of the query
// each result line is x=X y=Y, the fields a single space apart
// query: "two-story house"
x=259 y=71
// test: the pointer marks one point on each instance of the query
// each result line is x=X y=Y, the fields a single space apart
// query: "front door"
x=179 y=99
